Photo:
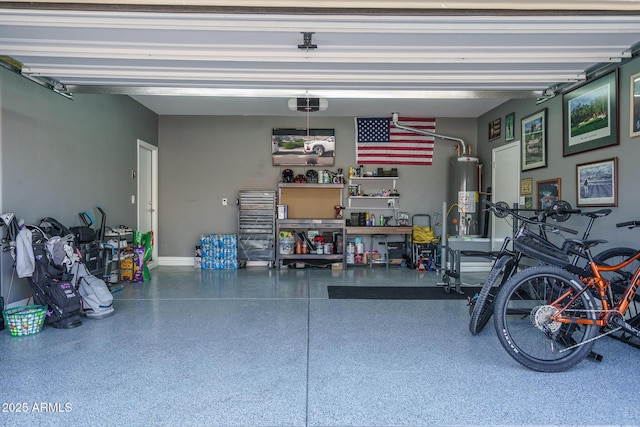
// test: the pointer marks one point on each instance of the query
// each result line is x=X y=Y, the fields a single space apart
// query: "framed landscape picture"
x=590 y=115
x=534 y=140
x=597 y=183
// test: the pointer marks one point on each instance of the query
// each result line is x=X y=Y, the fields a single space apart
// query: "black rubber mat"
x=398 y=292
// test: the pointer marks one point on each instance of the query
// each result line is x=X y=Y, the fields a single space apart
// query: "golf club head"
x=6 y=218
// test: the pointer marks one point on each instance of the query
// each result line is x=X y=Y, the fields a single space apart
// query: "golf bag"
x=52 y=286
x=97 y=301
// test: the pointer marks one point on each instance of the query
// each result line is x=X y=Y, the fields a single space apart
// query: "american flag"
x=379 y=142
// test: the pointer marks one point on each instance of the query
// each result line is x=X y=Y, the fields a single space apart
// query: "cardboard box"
x=337 y=266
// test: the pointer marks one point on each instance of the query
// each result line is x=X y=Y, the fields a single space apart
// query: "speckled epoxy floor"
x=260 y=347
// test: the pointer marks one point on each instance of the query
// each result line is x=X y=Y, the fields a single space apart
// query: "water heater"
x=464 y=196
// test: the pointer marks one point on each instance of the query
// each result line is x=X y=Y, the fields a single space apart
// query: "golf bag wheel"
x=525 y=322
x=446 y=283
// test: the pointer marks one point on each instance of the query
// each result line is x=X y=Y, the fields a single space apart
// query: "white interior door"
x=148 y=193
x=505 y=187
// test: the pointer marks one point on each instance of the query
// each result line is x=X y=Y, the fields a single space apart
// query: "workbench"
x=382 y=232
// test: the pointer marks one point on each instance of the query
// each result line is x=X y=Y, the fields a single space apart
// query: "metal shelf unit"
x=322 y=225
x=256 y=225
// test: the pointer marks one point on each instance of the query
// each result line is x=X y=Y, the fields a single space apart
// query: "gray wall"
x=627 y=152
x=203 y=159
x=61 y=157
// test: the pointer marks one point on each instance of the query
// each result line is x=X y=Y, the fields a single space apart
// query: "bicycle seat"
x=586 y=244
x=597 y=214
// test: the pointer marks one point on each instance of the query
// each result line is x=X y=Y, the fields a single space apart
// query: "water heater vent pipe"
x=427 y=133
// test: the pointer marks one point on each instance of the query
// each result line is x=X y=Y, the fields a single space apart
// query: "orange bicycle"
x=549 y=319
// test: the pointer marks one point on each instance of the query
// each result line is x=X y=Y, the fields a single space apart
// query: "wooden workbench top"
x=380 y=230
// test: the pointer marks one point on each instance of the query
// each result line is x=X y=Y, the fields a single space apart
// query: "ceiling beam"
x=281 y=93
x=386 y=7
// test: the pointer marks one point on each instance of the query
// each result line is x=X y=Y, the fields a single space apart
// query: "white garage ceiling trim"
x=420 y=59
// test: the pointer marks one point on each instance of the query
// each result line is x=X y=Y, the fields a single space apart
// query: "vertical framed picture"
x=590 y=115
x=534 y=140
x=548 y=192
x=494 y=129
x=509 y=124
x=634 y=96
x=526 y=186
x=597 y=183
x=528 y=202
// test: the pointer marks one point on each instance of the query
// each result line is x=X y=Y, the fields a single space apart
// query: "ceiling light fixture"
x=308 y=105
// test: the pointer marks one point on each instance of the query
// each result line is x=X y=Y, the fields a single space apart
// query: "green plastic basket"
x=24 y=320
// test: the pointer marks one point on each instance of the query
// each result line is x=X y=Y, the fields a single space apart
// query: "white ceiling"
x=368 y=62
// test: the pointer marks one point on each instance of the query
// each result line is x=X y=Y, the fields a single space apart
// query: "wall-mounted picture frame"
x=528 y=202
x=533 y=140
x=548 y=192
x=526 y=186
x=597 y=183
x=509 y=127
x=590 y=115
x=303 y=147
x=495 y=128
x=634 y=108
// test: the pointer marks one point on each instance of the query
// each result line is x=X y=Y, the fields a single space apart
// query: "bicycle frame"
x=601 y=285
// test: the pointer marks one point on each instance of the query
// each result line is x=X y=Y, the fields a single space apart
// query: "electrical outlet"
x=225 y=202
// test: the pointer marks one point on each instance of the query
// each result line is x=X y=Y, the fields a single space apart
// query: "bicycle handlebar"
x=495 y=207
x=630 y=224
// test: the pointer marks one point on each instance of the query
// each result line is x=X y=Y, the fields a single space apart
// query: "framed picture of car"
x=534 y=140
x=303 y=147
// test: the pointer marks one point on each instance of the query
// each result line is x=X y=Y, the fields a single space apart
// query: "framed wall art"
x=597 y=183
x=528 y=202
x=302 y=147
x=526 y=186
x=548 y=191
x=634 y=96
x=590 y=115
x=534 y=140
x=509 y=126
x=494 y=129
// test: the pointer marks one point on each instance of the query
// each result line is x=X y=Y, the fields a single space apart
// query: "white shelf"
x=374 y=197
x=373 y=177
x=373 y=183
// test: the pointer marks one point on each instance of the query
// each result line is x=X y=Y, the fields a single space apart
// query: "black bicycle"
x=508 y=261
x=548 y=318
